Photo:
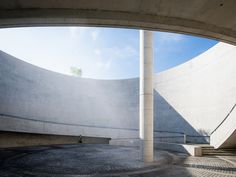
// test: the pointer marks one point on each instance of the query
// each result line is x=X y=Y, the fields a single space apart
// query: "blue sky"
x=101 y=53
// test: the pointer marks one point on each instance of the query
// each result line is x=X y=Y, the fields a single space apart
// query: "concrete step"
x=213 y=150
x=210 y=151
x=219 y=154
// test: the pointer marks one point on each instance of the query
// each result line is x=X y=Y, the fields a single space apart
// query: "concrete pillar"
x=185 y=138
x=146 y=96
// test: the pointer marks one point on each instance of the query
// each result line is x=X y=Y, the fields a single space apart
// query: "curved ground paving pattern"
x=106 y=160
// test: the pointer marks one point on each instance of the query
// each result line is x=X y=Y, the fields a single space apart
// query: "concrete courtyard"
x=193 y=103
x=107 y=160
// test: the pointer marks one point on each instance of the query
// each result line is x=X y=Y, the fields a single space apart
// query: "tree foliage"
x=76 y=71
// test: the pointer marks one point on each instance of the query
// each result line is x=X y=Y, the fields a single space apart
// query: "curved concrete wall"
x=64 y=104
x=192 y=98
x=224 y=136
x=203 y=92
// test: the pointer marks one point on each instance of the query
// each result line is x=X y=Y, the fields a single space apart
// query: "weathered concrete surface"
x=214 y=19
x=18 y=139
x=193 y=98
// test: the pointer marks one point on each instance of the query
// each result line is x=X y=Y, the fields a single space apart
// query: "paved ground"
x=106 y=160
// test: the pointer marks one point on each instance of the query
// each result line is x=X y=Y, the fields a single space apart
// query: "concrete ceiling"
x=208 y=18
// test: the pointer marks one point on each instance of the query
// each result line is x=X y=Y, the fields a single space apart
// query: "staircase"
x=210 y=151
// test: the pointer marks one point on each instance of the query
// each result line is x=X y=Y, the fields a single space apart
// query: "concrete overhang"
x=207 y=18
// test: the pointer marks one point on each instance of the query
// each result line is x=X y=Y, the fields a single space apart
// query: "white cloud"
x=108 y=64
x=104 y=64
x=78 y=32
x=97 y=52
x=131 y=51
x=126 y=52
x=94 y=35
x=170 y=37
x=72 y=30
x=105 y=57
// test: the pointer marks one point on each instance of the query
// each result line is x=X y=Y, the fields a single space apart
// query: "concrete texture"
x=214 y=19
x=193 y=98
x=202 y=91
x=41 y=101
x=106 y=160
x=18 y=139
x=146 y=96
x=190 y=149
x=226 y=132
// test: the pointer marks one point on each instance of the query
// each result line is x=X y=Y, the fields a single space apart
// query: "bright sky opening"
x=101 y=53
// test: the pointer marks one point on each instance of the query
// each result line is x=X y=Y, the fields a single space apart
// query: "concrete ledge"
x=193 y=150
x=124 y=142
x=19 y=139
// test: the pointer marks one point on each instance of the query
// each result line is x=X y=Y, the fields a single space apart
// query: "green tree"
x=76 y=71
